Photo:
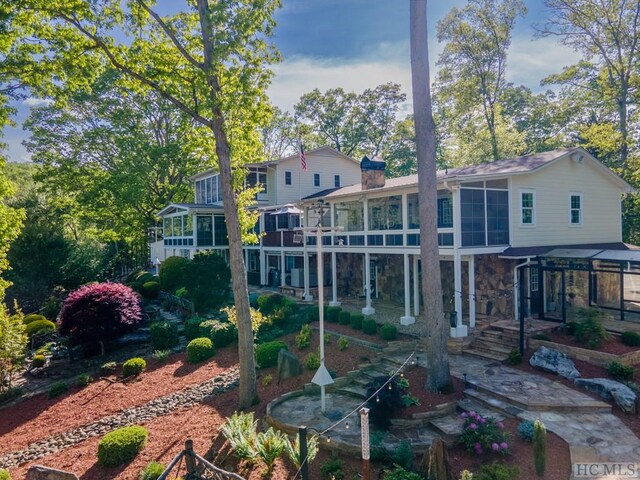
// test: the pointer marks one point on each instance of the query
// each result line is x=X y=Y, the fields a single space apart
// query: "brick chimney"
x=372 y=173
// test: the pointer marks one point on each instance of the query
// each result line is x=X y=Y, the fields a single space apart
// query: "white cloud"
x=32 y=102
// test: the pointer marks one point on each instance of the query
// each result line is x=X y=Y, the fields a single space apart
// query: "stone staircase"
x=494 y=342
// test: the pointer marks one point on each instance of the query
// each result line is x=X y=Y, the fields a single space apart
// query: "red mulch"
x=417 y=377
x=613 y=345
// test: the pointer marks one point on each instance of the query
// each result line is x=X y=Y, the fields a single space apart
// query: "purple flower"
x=478 y=448
x=472 y=413
x=473 y=426
x=495 y=447
x=504 y=445
x=500 y=425
x=464 y=415
x=481 y=420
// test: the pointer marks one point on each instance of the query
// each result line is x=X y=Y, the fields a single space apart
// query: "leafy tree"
x=281 y=136
x=474 y=58
x=13 y=343
x=207 y=280
x=435 y=332
x=10 y=224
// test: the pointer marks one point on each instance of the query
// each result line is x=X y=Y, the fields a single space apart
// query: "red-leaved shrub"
x=99 y=312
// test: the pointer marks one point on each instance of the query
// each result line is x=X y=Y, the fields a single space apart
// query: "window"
x=207 y=190
x=385 y=213
x=220 y=230
x=527 y=208
x=497 y=217
x=533 y=276
x=287 y=178
x=316 y=179
x=204 y=230
x=575 y=209
x=349 y=215
x=413 y=214
x=445 y=212
x=472 y=218
x=257 y=177
x=336 y=181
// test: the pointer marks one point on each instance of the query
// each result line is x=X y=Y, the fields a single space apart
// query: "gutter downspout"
x=516 y=303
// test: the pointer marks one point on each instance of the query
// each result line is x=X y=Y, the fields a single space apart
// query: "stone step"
x=448 y=427
x=497 y=337
x=469 y=404
x=492 y=403
x=488 y=346
x=353 y=389
x=482 y=354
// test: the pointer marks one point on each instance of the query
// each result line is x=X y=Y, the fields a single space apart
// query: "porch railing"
x=197 y=468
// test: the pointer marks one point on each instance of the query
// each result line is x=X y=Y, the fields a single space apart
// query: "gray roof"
x=587 y=248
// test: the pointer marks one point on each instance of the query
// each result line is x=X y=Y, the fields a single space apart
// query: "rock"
x=39 y=472
x=624 y=397
x=288 y=365
x=132 y=338
x=436 y=462
x=554 y=361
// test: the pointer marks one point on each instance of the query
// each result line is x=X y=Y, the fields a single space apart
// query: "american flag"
x=303 y=159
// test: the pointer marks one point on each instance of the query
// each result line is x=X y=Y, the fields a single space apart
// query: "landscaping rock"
x=554 y=361
x=624 y=397
x=288 y=365
x=39 y=472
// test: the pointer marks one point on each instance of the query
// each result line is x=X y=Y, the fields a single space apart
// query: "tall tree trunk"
x=624 y=130
x=434 y=338
x=248 y=389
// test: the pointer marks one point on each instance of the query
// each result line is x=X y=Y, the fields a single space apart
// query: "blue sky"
x=358 y=44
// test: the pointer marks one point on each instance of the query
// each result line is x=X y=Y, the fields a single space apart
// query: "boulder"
x=39 y=472
x=554 y=361
x=288 y=365
x=609 y=389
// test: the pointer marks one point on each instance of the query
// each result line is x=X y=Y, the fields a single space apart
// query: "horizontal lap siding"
x=601 y=219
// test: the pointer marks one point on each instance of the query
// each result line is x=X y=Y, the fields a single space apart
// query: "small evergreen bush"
x=621 y=372
x=164 y=335
x=83 y=380
x=150 y=289
x=173 y=273
x=220 y=333
x=388 y=332
x=200 y=349
x=161 y=355
x=343 y=343
x=4 y=474
x=525 y=430
x=121 y=445
x=539 y=447
x=303 y=339
x=332 y=469
x=108 y=368
x=312 y=361
x=570 y=328
x=152 y=471
x=38 y=361
x=269 y=303
x=590 y=330
x=399 y=473
x=628 y=338
x=133 y=367
x=33 y=317
x=39 y=326
x=356 y=321
x=497 y=471
x=267 y=353
x=192 y=327
x=333 y=314
x=514 y=357
x=344 y=317
x=369 y=326
x=58 y=389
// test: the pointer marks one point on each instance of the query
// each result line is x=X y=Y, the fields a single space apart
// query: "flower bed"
x=594 y=357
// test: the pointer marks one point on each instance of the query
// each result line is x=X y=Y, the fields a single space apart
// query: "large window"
x=413 y=211
x=255 y=177
x=187 y=221
x=385 y=213
x=220 y=230
x=497 y=217
x=207 y=190
x=350 y=216
x=204 y=230
x=575 y=209
x=484 y=217
x=528 y=208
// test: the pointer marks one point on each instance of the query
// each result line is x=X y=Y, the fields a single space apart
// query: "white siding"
x=323 y=162
x=601 y=219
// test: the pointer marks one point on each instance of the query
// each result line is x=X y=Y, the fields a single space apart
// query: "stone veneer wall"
x=494 y=286
x=350 y=272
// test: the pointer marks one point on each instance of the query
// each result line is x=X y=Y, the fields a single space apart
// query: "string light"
x=346 y=425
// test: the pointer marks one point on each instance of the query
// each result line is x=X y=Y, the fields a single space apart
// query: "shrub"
x=343 y=343
x=332 y=469
x=133 y=367
x=570 y=328
x=39 y=326
x=10 y=393
x=270 y=445
x=356 y=321
x=497 y=471
x=312 y=361
x=590 y=331
x=99 y=312
x=514 y=357
x=164 y=335
x=33 y=317
x=344 y=318
x=207 y=280
x=200 y=349
x=541 y=336
x=525 y=430
x=539 y=447
x=161 y=355
x=269 y=303
x=292 y=448
x=108 y=368
x=267 y=353
x=150 y=289
x=4 y=474
x=121 y=445
x=266 y=380
x=57 y=389
x=399 y=473
x=480 y=434
x=182 y=292
x=621 y=372
x=388 y=332
x=152 y=471
x=333 y=314
x=403 y=454
x=630 y=338
x=385 y=402
x=409 y=400
x=369 y=326
x=240 y=431
x=173 y=273
x=303 y=339
x=83 y=380
x=192 y=327
x=260 y=324
x=38 y=361
x=220 y=333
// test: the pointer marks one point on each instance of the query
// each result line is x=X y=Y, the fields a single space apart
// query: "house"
x=533 y=235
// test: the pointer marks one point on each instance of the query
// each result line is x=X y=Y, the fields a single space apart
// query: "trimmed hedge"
x=164 y=335
x=220 y=333
x=39 y=326
x=388 y=332
x=630 y=338
x=150 y=289
x=33 y=317
x=38 y=361
x=333 y=313
x=200 y=349
x=4 y=474
x=269 y=303
x=267 y=353
x=356 y=321
x=192 y=327
x=369 y=326
x=344 y=318
x=133 y=367
x=173 y=273
x=121 y=445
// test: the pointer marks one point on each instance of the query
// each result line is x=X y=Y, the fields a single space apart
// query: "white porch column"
x=334 y=281
x=407 y=319
x=459 y=330
x=472 y=290
x=416 y=287
x=368 y=309
x=282 y=268
x=305 y=265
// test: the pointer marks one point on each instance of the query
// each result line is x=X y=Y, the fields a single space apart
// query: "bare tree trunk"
x=248 y=389
x=435 y=337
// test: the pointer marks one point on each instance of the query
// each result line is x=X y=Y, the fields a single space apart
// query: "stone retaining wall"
x=593 y=357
